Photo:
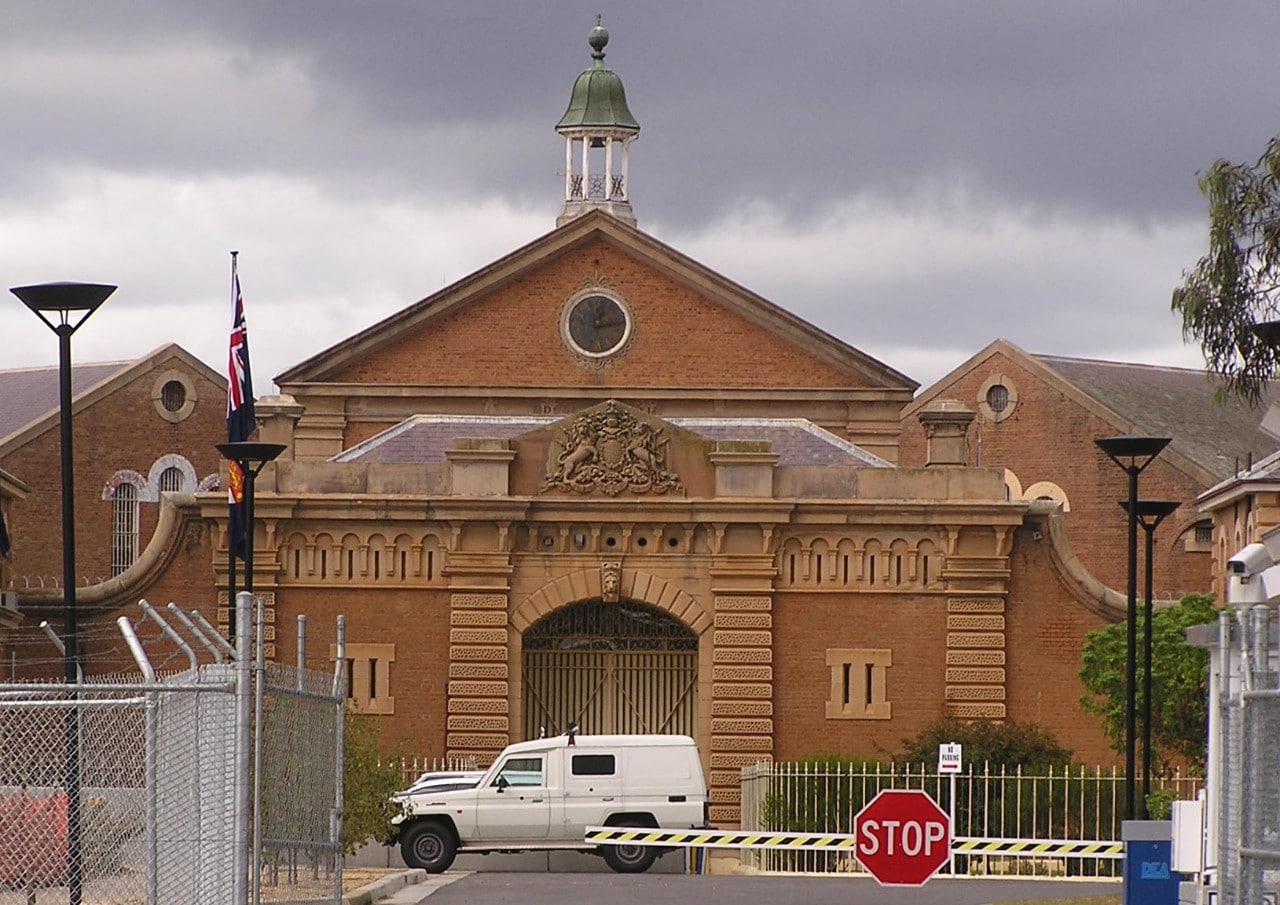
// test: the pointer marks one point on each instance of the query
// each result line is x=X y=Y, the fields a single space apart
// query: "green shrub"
x=368 y=781
x=1009 y=744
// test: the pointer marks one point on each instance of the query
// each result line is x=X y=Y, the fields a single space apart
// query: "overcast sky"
x=917 y=178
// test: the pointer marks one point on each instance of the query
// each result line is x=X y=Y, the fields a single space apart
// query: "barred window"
x=998 y=398
x=173 y=396
x=124 y=528
x=171 y=480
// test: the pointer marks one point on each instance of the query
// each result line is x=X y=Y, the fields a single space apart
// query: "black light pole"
x=64 y=307
x=252 y=457
x=1150 y=514
x=1132 y=454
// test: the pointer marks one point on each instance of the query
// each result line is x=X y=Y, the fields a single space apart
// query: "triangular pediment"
x=511 y=312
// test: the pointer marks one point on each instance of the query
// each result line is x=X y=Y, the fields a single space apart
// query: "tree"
x=368 y=781
x=1236 y=285
x=1179 y=681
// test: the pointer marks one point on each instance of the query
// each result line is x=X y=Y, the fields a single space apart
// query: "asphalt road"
x=658 y=889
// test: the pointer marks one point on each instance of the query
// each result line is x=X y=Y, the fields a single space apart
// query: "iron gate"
x=611 y=668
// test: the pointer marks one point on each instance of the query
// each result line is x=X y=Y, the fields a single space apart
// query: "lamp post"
x=1132 y=454
x=64 y=307
x=252 y=457
x=1150 y=514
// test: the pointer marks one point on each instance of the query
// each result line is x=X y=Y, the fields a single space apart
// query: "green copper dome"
x=598 y=99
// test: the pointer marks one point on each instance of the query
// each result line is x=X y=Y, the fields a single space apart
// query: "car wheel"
x=630 y=859
x=428 y=846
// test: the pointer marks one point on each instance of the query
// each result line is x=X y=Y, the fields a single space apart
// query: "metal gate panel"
x=610 y=668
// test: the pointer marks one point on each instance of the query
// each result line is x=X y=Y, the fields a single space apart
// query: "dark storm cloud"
x=916 y=178
x=1101 y=106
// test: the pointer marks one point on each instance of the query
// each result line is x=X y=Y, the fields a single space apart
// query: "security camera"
x=1250 y=561
x=1247 y=579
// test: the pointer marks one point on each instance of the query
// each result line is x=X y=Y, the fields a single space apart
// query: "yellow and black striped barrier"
x=960 y=845
x=628 y=835
x=1037 y=847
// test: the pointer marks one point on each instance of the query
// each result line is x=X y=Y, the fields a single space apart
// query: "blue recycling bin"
x=1148 y=849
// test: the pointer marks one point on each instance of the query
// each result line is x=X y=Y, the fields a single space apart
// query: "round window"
x=173 y=396
x=597 y=325
x=998 y=398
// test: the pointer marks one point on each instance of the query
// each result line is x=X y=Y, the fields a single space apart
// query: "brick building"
x=11 y=489
x=140 y=428
x=596 y=481
x=1037 y=418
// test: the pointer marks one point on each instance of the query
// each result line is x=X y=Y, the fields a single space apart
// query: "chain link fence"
x=220 y=783
x=1248 y=726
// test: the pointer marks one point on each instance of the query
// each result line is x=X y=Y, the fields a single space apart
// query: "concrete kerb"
x=383 y=887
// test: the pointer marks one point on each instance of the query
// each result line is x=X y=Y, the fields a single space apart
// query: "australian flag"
x=240 y=419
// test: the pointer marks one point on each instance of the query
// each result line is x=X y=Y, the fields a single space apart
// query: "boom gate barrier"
x=960 y=845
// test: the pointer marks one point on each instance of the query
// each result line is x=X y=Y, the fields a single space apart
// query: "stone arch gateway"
x=609 y=667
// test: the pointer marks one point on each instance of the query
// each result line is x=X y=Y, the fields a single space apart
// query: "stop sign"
x=903 y=837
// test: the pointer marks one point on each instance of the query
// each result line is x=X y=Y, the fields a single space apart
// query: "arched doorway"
x=611 y=668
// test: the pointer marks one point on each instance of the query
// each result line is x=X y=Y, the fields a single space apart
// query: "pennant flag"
x=240 y=416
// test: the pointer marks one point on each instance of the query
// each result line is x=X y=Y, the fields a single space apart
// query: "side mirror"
x=502 y=783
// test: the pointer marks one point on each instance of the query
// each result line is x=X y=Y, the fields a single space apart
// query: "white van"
x=543 y=794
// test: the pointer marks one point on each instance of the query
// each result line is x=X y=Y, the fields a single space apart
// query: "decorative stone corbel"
x=610 y=580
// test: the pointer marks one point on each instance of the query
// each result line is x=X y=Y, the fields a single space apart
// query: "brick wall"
x=121 y=431
x=512 y=338
x=1049 y=437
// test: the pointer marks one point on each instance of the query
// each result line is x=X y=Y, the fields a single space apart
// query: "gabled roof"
x=425 y=438
x=1179 y=403
x=28 y=393
x=29 y=396
x=1210 y=440
x=1262 y=477
x=593 y=226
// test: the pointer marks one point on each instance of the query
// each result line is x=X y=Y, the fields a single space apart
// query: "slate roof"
x=424 y=438
x=1178 y=403
x=27 y=394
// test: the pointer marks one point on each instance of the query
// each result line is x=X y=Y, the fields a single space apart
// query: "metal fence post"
x=259 y=669
x=243 y=695
x=149 y=760
x=340 y=697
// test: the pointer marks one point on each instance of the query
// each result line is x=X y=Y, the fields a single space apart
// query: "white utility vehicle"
x=542 y=795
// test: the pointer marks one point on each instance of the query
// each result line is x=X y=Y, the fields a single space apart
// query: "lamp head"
x=1132 y=447
x=1268 y=333
x=249 y=454
x=1155 y=510
x=64 y=297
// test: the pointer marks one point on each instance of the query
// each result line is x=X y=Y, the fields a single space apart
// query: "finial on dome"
x=598 y=38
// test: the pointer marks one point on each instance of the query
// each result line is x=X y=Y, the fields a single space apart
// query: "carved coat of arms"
x=610 y=450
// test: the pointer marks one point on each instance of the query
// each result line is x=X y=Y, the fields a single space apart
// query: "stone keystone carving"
x=610 y=450
x=610 y=580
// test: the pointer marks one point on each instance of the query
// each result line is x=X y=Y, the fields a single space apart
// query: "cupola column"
x=599 y=119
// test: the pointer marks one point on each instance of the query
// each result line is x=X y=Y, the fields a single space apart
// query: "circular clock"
x=598 y=325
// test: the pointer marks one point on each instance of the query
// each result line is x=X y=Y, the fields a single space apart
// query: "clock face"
x=598 y=325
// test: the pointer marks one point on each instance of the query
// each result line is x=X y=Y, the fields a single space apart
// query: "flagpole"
x=231 y=545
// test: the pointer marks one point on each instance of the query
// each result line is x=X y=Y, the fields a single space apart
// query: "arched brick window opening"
x=124 y=527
